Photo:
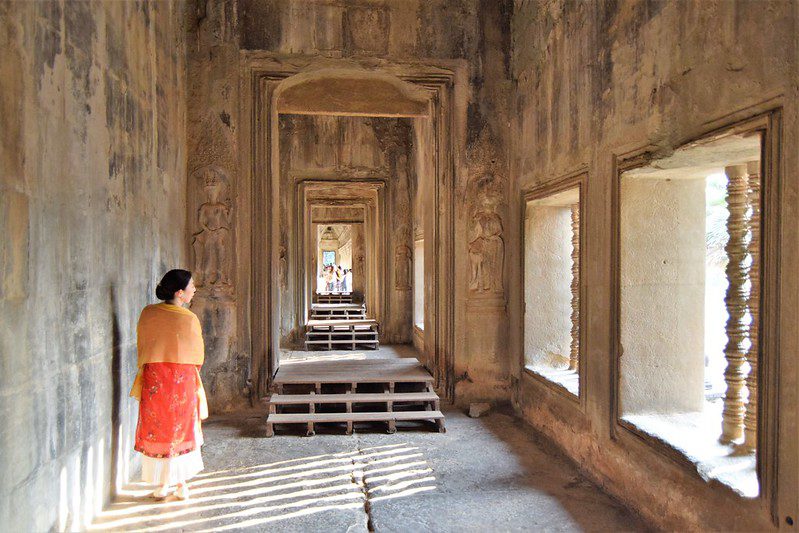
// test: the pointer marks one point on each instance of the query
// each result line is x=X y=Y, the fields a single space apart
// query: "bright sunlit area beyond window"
x=552 y=288
x=689 y=297
x=418 y=284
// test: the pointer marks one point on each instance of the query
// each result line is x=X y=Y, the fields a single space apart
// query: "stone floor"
x=485 y=474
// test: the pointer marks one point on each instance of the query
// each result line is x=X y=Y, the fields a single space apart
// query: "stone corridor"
x=485 y=474
x=582 y=213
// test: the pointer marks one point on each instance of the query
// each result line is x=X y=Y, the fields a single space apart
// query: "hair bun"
x=173 y=281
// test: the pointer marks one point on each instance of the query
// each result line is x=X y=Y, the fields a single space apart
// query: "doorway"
x=428 y=91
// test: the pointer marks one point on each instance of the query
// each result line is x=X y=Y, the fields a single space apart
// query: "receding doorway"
x=334 y=249
x=422 y=101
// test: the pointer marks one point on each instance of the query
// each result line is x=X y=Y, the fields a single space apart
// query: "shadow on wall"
x=116 y=392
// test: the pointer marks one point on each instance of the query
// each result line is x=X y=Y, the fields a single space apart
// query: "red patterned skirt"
x=168 y=410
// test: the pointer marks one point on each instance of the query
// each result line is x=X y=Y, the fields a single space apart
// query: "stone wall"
x=662 y=285
x=468 y=38
x=600 y=79
x=92 y=177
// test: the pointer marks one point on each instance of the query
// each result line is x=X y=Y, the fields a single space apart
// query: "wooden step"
x=390 y=417
x=322 y=311
x=340 y=341
x=405 y=370
x=354 y=397
x=301 y=418
x=338 y=316
x=340 y=323
x=341 y=297
x=329 y=307
x=351 y=316
x=342 y=332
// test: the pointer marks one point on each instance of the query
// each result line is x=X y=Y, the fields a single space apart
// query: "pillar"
x=736 y=301
x=358 y=261
x=574 y=353
x=753 y=302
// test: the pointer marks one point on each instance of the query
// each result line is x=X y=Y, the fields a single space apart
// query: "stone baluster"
x=735 y=300
x=750 y=418
x=574 y=354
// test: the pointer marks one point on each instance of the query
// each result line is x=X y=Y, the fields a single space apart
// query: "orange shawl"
x=168 y=334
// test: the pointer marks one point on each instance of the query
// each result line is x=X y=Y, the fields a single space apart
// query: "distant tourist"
x=339 y=278
x=171 y=396
x=348 y=280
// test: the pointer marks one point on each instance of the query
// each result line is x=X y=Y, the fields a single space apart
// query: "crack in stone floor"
x=482 y=474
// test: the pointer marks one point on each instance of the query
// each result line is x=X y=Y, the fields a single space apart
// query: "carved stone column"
x=736 y=300
x=574 y=354
x=750 y=418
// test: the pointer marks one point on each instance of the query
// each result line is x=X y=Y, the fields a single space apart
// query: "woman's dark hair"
x=172 y=282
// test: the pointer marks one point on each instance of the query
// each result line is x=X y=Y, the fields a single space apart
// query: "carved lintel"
x=736 y=301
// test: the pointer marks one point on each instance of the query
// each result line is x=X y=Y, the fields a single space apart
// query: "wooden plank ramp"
x=365 y=390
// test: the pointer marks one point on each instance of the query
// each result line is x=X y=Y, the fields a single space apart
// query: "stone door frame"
x=376 y=239
x=261 y=74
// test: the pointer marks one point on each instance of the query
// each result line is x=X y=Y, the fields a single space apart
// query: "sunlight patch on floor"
x=255 y=495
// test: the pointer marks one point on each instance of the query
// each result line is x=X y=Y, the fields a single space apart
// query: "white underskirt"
x=174 y=470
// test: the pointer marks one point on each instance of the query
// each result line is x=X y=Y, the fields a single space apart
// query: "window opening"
x=418 y=284
x=689 y=304
x=552 y=288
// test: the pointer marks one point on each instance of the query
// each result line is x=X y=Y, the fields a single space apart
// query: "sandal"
x=182 y=492
x=162 y=492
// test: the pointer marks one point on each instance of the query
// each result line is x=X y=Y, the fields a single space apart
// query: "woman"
x=168 y=387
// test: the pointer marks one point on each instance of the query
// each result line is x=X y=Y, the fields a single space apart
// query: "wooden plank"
x=364 y=397
x=359 y=307
x=342 y=329
x=339 y=339
x=312 y=418
x=348 y=371
x=343 y=322
x=323 y=339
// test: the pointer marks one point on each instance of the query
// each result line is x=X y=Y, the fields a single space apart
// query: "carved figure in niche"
x=284 y=269
x=402 y=268
x=212 y=243
x=486 y=247
x=360 y=264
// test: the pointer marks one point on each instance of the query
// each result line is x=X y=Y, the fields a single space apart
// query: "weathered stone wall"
x=470 y=37
x=92 y=178
x=600 y=78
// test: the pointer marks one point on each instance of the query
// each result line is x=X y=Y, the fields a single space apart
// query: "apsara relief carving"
x=486 y=241
x=212 y=244
x=486 y=246
x=403 y=267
